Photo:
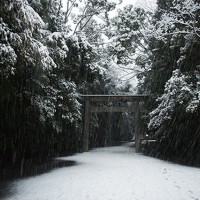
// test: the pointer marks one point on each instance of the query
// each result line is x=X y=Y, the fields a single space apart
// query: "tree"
x=126 y=34
x=172 y=79
x=91 y=9
x=42 y=71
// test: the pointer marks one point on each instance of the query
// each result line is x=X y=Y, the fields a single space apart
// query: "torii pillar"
x=137 y=127
x=86 y=125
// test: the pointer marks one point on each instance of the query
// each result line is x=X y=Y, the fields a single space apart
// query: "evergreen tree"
x=172 y=80
x=42 y=71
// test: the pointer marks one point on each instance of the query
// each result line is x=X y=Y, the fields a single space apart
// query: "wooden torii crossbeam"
x=135 y=99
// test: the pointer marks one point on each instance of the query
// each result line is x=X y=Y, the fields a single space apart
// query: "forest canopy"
x=50 y=55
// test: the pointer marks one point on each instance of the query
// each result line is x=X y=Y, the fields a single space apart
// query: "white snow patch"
x=115 y=173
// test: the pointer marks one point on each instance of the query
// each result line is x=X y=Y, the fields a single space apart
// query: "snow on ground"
x=114 y=173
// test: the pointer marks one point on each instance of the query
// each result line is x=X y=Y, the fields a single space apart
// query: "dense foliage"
x=44 y=67
x=49 y=56
x=172 y=80
x=40 y=73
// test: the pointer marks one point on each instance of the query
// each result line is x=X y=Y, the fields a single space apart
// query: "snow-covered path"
x=114 y=173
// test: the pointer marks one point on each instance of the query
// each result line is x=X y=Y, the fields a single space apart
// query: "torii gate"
x=135 y=99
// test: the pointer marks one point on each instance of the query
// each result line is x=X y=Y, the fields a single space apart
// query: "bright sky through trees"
x=147 y=4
